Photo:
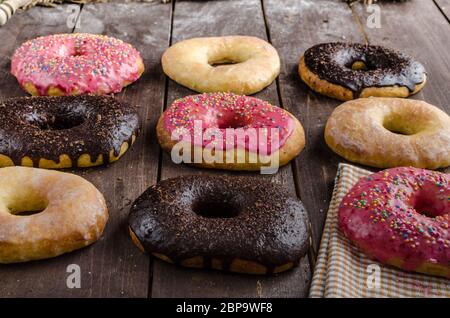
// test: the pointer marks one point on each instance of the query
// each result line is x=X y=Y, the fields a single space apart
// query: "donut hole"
x=209 y=208
x=427 y=203
x=397 y=125
x=221 y=63
x=224 y=59
x=233 y=121
x=358 y=65
x=76 y=53
x=425 y=207
x=59 y=121
x=25 y=203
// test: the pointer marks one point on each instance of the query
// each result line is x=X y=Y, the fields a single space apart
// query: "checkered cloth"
x=343 y=271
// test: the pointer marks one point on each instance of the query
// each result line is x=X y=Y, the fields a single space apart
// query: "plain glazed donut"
x=250 y=64
x=390 y=132
x=347 y=71
x=221 y=111
x=401 y=217
x=73 y=64
x=65 y=131
x=238 y=224
x=73 y=214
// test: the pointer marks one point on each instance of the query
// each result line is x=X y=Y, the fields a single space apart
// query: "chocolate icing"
x=332 y=62
x=47 y=127
x=255 y=220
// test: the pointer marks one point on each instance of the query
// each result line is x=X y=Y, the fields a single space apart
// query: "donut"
x=65 y=131
x=390 y=132
x=73 y=64
x=237 y=224
x=401 y=217
x=46 y=213
x=347 y=71
x=254 y=133
x=237 y=64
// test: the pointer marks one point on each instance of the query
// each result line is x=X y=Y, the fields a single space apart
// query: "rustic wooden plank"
x=147 y=27
x=444 y=6
x=215 y=18
x=294 y=26
x=113 y=267
x=415 y=34
x=35 y=278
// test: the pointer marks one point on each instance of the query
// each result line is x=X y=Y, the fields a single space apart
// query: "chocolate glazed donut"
x=350 y=70
x=238 y=224
x=66 y=131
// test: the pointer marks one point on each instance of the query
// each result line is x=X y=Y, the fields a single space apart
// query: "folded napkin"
x=343 y=271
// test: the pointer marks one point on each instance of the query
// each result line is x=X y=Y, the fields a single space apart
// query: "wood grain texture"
x=149 y=32
x=217 y=18
x=112 y=267
x=444 y=6
x=420 y=32
x=40 y=278
x=294 y=26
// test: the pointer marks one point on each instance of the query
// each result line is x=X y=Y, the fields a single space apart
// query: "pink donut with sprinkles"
x=74 y=64
x=401 y=217
x=228 y=131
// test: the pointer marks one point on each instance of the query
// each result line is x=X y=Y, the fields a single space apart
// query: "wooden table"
x=114 y=267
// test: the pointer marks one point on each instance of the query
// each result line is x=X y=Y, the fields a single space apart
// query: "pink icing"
x=400 y=213
x=219 y=111
x=76 y=63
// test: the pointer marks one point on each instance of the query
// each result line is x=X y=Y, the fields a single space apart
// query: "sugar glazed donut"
x=72 y=64
x=390 y=132
x=230 y=131
x=237 y=64
x=238 y=224
x=401 y=217
x=65 y=131
x=349 y=70
x=73 y=214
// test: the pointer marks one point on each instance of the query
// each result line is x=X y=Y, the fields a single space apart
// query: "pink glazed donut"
x=241 y=123
x=401 y=217
x=73 y=64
